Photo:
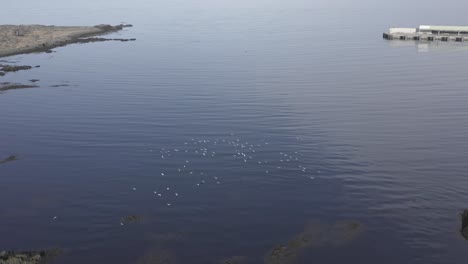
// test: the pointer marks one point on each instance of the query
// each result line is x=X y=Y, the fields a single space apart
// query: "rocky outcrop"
x=39 y=38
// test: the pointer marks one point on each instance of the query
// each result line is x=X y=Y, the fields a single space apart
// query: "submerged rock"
x=157 y=256
x=96 y=39
x=59 y=85
x=234 y=260
x=14 y=68
x=28 y=257
x=464 y=227
x=315 y=234
x=130 y=219
x=9 y=158
x=12 y=86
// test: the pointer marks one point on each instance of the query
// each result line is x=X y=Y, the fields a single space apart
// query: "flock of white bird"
x=242 y=151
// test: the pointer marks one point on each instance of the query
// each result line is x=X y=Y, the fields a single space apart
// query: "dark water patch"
x=34 y=80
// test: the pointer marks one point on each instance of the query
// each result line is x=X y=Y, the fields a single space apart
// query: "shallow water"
x=345 y=125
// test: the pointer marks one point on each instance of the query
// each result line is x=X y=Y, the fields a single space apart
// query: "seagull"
x=162 y=173
x=176 y=194
x=168 y=204
x=168 y=188
x=55 y=217
x=134 y=188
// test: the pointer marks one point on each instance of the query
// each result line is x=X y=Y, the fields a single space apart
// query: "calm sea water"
x=262 y=116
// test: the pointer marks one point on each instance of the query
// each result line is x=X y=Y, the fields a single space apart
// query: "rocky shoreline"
x=21 y=39
x=37 y=38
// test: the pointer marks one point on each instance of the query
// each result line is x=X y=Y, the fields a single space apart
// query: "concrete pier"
x=429 y=33
x=424 y=37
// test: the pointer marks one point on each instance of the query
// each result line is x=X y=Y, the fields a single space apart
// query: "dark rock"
x=96 y=39
x=48 y=51
x=37 y=66
x=10 y=68
x=2 y=73
x=130 y=219
x=234 y=260
x=59 y=85
x=7 y=87
x=34 y=80
x=28 y=257
x=464 y=227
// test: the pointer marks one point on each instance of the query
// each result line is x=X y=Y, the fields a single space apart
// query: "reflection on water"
x=424 y=46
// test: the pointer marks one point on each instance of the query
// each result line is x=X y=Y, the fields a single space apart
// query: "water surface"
x=335 y=124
